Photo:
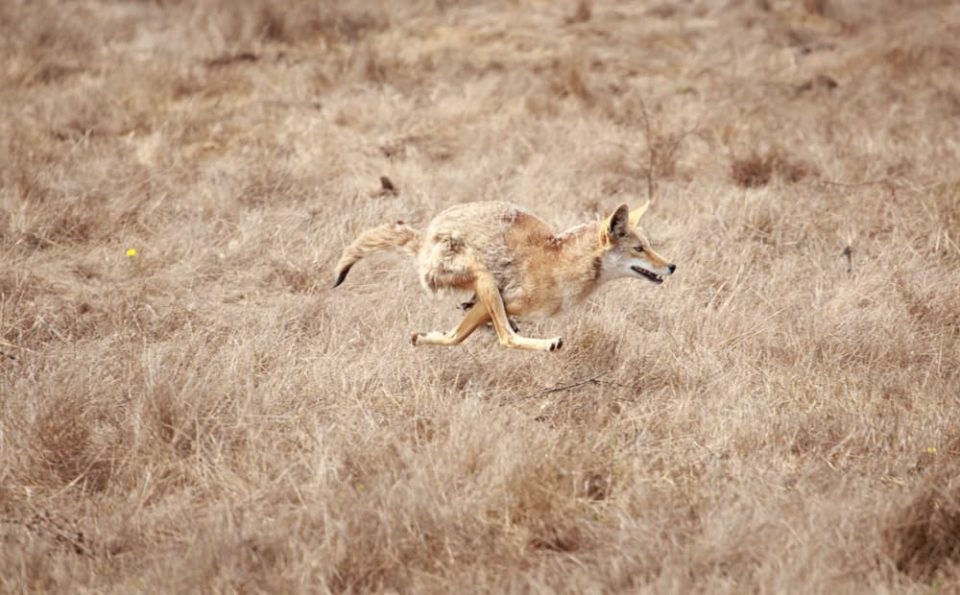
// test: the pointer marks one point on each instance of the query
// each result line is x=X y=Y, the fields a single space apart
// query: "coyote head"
x=626 y=252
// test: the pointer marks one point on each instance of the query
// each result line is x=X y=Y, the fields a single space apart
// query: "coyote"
x=514 y=264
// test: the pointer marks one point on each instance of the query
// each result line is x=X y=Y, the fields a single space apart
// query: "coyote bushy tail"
x=389 y=236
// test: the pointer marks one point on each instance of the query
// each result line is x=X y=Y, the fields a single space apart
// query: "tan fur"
x=383 y=237
x=514 y=263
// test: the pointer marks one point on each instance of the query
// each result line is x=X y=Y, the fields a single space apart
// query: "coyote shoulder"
x=514 y=264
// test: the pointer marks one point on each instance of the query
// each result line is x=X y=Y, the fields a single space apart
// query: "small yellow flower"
x=932 y=450
x=131 y=252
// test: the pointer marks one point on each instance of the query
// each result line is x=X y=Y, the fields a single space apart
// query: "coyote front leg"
x=490 y=299
x=473 y=319
x=465 y=306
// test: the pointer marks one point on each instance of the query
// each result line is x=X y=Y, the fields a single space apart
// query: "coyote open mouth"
x=652 y=276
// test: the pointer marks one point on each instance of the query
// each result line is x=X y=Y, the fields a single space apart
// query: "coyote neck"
x=579 y=259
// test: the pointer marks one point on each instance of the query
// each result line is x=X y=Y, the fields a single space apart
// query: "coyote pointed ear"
x=637 y=213
x=615 y=227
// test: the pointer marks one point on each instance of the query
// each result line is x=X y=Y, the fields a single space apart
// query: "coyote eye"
x=639 y=248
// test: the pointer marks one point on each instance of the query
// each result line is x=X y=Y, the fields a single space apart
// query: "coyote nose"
x=671 y=268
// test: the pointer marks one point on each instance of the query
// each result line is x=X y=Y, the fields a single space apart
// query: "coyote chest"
x=513 y=263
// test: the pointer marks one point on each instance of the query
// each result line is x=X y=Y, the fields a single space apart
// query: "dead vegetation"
x=922 y=533
x=760 y=169
x=186 y=405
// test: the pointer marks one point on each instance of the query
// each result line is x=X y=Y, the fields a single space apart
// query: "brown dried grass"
x=210 y=416
x=922 y=535
x=760 y=169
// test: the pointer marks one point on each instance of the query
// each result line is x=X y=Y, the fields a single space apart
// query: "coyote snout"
x=514 y=264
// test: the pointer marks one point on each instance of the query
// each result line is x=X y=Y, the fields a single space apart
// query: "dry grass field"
x=208 y=415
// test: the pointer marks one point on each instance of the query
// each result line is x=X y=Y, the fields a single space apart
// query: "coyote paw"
x=556 y=344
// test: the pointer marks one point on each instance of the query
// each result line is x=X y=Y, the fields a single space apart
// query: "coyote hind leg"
x=489 y=297
x=469 y=304
x=473 y=319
